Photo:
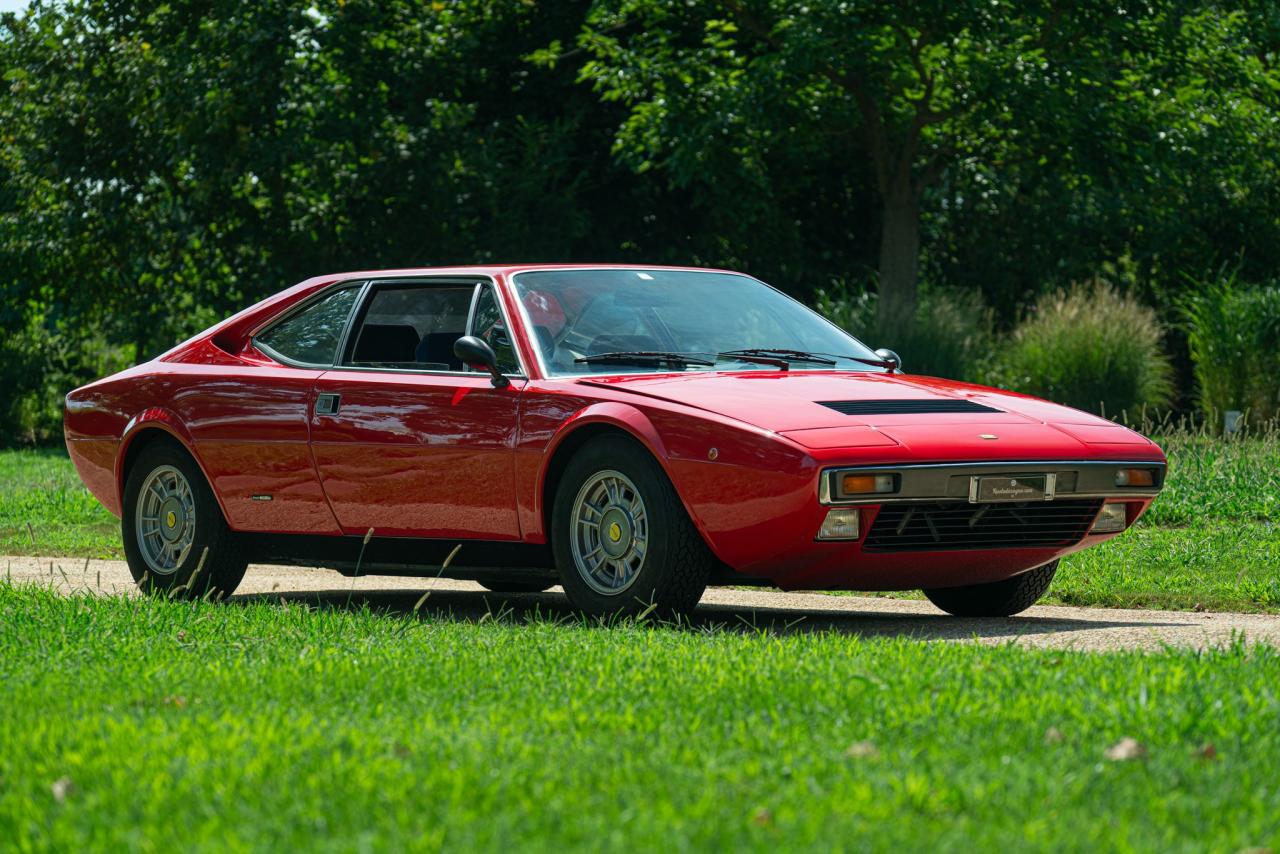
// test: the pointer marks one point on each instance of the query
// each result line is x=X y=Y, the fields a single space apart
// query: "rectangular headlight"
x=841 y=524
x=1112 y=518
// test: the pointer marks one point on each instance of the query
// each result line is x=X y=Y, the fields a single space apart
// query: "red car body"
x=427 y=459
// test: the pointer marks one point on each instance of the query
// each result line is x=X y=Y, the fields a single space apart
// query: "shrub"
x=38 y=366
x=950 y=336
x=1233 y=333
x=1092 y=348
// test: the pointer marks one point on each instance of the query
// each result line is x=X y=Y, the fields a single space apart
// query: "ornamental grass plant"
x=1090 y=347
x=1233 y=333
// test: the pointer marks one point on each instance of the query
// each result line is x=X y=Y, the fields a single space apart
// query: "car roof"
x=230 y=334
x=511 y=268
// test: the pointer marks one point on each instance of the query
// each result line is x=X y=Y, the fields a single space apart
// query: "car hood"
x=931 y=416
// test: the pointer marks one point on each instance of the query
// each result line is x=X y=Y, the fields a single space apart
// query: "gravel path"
x=1043 y=626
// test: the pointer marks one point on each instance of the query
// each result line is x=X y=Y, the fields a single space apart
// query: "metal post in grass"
x=1232 y=420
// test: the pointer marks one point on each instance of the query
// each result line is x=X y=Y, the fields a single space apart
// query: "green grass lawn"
x=1217 y=565
x=1211 y=539
x=149 y=724
x=45 y=509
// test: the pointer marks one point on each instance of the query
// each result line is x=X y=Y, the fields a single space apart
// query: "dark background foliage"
x=165 y=163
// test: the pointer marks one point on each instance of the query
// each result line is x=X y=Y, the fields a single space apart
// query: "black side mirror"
x=476 y=353
x=890 y=358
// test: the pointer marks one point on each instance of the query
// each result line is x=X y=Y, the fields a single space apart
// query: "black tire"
x=998 y=598
x=517 y=586
x=214 y=550
x=673 y=571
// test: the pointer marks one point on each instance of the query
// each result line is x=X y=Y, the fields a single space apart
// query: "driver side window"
x=411 y=327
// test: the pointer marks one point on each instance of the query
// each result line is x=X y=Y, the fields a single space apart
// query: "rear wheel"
x=175 y=539
x=998 y=598
x=621 y=537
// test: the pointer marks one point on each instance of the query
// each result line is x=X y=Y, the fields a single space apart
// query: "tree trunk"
x=899 y=257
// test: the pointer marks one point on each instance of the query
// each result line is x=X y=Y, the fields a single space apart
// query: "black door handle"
x=327 y=404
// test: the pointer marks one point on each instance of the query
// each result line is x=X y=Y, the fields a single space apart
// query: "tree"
x=926 y=85
x=1176 y=178
x=165 y=163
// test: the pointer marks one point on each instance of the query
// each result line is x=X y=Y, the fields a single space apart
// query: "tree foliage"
x=165 y=163
x=955 y=109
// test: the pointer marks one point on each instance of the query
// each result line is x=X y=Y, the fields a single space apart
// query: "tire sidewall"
x=208 y=518
x=633 y=460
x=998 y=598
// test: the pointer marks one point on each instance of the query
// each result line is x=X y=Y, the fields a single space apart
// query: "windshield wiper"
x=781 y=354
x=743 y=356
x=802 y=356
x=645 y=357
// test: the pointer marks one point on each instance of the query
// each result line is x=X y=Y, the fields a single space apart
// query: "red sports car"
x=633 y=433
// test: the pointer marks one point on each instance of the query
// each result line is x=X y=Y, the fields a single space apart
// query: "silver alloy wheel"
x=165 y=520
x=610 y=532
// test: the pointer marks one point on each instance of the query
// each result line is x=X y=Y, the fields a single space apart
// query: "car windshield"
x=641 y=321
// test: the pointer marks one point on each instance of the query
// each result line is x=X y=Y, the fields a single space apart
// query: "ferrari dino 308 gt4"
x=632 y=433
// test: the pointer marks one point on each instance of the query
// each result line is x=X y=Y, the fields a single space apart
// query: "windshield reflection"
x=643 y=320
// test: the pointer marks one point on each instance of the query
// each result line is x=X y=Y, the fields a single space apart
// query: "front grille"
x=904 y=407
x=928 y=526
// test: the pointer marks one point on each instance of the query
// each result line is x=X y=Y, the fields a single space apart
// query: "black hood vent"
x=940 y=406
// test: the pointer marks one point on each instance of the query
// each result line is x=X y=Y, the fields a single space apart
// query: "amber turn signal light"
x=1135 y=477
x=862 y=484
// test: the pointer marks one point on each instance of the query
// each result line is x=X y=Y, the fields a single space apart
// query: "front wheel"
x=997 y=598
x=175 y=539
x=622 y=540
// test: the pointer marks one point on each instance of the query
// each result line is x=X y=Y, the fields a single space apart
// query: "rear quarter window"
x=311 y=336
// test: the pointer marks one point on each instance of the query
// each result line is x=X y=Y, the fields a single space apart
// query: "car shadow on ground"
x=473 y=606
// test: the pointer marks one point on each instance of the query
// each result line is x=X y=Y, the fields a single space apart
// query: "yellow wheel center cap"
x=172 y=519
x=615 y=532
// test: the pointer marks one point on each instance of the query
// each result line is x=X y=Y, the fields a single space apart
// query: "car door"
x=407 y=440
x=250 y=424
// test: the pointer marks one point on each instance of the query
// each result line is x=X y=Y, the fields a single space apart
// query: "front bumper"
x=944 y=482
x=931 y=533
x=934 y=530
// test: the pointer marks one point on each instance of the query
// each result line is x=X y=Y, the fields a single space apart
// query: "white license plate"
x=1011 y=487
